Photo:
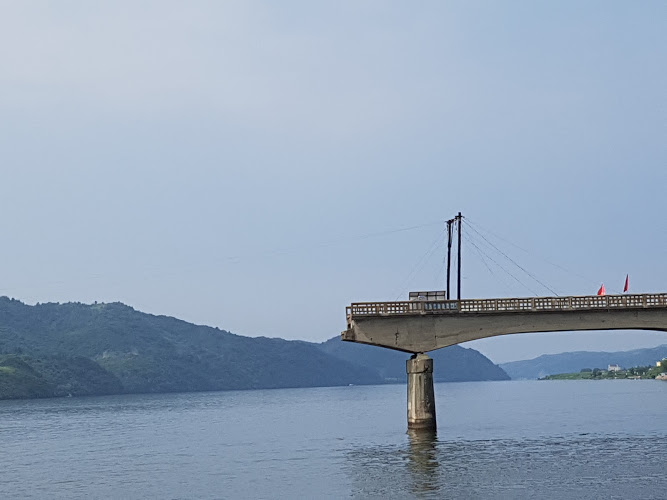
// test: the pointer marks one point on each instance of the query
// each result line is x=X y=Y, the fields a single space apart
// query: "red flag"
x=627 y=282
x=601 y=290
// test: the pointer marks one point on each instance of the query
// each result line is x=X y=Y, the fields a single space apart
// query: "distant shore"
x=636 y=373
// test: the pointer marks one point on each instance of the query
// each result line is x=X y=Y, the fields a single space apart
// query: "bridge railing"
x=530 y=304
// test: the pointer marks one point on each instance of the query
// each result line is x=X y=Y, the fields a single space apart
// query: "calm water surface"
x=556 y=439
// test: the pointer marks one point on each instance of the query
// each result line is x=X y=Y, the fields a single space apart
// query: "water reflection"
x=423 y=460
x=408 y=468
x=568 y=467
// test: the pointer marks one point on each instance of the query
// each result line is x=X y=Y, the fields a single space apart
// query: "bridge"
x=429 y=322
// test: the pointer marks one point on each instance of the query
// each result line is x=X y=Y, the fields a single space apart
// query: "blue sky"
x=247 y=164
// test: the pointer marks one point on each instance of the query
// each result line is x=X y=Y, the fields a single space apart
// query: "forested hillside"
x=80 y=349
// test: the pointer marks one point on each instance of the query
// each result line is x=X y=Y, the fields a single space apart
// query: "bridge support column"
x=421 y=398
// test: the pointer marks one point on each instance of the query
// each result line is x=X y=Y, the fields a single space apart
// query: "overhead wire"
x=509 y=273
x=528 y=273
x=151 y=270
x=419 y=265
x=337 y=241
x=480 y=254
x=588 y=280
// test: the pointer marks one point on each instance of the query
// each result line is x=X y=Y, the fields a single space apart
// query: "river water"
x=555 y=439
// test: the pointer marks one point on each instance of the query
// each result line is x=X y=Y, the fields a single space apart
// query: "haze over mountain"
x=569 y=362
x=78 y=349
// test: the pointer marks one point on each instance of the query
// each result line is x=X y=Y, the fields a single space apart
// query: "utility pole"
x=449 y=251
x=459 y=218
x=450 y=223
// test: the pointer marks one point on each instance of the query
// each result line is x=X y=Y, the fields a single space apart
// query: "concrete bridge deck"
x=424 y=325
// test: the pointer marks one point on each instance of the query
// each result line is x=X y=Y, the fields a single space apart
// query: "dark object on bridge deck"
x=428 y=296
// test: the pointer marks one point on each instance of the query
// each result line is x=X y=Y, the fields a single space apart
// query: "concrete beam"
x=423 y=333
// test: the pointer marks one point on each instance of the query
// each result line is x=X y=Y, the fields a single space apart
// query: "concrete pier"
x=421 y=398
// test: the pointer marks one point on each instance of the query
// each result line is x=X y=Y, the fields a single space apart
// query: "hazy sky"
x=248 y=165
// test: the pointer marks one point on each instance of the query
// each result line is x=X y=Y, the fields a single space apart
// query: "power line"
x=513 y=262
x=324 y=244
x=421 y=262
x=586 y=279
x=503 y=268
x=480 y=254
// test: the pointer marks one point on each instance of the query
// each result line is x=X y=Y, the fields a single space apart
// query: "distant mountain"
x=450 y=364
x=133 y=352
x=79 y=349
x=569 y=362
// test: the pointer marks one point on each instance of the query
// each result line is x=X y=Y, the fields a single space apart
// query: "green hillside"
x=79 y=349
x=18 y=379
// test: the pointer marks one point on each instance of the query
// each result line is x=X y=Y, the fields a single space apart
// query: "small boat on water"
x=662 y=376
